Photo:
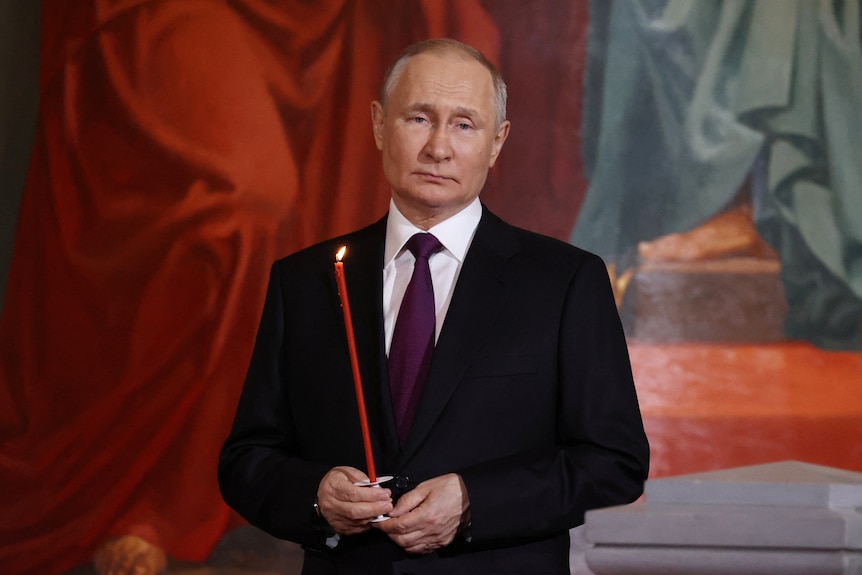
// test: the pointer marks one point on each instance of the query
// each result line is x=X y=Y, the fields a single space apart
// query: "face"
x=438 y=135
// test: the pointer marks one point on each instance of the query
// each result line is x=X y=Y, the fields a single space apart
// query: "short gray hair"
x=393 y=74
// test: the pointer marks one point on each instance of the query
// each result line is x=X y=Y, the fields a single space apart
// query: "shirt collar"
x=455 y=233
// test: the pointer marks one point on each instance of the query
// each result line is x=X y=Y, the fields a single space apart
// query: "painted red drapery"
x=182 y=146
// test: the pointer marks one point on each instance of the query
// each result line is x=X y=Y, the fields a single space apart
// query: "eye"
x=418 y=119
x=464 y=123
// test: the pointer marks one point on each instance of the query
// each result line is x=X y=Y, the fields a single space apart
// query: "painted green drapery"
x=686 y=99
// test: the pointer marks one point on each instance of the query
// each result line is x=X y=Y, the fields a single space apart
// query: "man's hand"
x=428 y=517
x=347 y=508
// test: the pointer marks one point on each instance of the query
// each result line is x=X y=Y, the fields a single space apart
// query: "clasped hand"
x=424 y=519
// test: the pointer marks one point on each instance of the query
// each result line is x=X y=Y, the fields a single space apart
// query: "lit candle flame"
x=340 y=253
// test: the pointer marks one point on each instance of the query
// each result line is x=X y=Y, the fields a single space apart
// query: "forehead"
x=445 y=78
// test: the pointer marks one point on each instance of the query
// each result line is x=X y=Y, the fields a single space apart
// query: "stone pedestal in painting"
x=790 y=518
x=729 y=300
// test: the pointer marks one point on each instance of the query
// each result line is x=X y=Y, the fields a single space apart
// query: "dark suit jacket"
x=529 y=397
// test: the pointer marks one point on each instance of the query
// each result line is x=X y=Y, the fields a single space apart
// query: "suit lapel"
x=476 y=302
x=363 y=266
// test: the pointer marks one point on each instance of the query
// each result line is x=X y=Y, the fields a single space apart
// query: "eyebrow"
x=459 y=111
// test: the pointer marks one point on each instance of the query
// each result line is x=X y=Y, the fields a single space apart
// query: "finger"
x=349 y=519
x=348 y=475
x=356 y=507
x=409 y=502
x=408 y=541
x=353 y=475
x=361 y=494
x=365 y=511
x=421 y=549
x=338 y=484
x=418 y=542
x=423 y=542
x=407 y=528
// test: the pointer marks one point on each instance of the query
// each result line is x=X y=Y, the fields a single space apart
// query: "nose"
x=438 y=147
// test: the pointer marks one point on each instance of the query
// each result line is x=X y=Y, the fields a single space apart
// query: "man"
x=527 y=416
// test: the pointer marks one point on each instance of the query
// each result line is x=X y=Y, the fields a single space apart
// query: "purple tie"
x=413 y=337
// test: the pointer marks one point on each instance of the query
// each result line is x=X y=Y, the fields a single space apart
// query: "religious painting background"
x=182 y=145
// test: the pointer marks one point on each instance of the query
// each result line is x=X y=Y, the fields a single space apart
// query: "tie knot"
x=422 y=245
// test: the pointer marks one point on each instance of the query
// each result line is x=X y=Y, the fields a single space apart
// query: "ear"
x=499 y=140
x=377 y=117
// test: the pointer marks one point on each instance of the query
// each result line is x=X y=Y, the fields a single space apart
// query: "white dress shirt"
x=456 y=233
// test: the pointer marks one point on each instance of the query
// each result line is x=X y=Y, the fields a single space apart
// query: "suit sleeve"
x=260 y=473
x=601 y=455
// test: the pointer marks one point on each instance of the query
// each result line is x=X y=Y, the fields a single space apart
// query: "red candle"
x=354 y=362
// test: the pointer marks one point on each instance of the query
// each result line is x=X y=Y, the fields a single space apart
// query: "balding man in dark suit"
x=516 y=416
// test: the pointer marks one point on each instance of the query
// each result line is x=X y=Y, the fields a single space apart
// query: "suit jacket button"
x=402 y=482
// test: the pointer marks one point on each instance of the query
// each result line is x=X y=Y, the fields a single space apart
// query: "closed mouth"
x=433 y=177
